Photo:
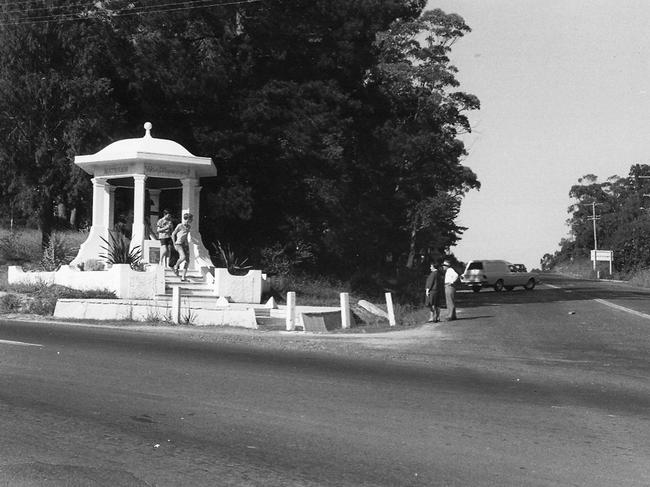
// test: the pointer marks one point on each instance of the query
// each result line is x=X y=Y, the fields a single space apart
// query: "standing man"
x=451 y=279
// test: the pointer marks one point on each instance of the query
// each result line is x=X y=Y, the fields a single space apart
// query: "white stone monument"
x=140 y=161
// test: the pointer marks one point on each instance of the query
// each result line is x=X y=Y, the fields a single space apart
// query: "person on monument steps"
x=181 y=244
x=164 y=228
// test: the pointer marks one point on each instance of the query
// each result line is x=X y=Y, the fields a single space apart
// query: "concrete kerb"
x=148 y=310
x=315 y=318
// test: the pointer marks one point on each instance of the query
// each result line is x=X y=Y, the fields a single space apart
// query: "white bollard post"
x=345 y=310
x=390 y=309
x=176 y=304
x=291 y=311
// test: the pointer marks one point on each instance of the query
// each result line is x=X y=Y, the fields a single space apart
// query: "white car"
x=497 y=274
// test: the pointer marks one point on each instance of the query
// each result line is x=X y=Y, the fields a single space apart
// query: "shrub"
x=409 y=315
x=281 y=260
x=55 y=254
x=118 y=252
x=641 y=278
x=20 y=247
x=156 y=317
x=311 y=290
x=43 y=306
x=10 y=303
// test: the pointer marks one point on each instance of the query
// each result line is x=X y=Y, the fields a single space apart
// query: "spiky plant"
x=117 y=251
x=235 y=265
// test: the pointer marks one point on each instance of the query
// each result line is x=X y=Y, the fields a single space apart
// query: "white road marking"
x=610 y=304
x=553 y=286
x=623 y=308
x=24 y=344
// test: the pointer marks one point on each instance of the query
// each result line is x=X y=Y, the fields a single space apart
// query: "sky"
x=564 y=87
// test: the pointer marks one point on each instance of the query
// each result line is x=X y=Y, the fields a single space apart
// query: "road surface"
x=542 y=388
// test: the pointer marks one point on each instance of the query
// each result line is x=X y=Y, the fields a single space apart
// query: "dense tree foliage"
x=622 y=209
x=334 y=124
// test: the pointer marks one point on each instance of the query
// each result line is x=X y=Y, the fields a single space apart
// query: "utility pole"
x=593 y=218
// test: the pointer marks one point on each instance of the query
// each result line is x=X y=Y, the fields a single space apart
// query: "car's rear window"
x=475 y=266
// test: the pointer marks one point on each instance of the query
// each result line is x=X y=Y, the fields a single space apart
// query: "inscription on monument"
x=150 y=169
x=116 y=170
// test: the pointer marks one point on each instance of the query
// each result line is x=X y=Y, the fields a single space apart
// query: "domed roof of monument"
x=148 y=144
x=147 y=150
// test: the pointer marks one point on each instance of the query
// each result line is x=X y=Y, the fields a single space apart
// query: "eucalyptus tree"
x=419 y=137
x=622 y=211
x=55 y=100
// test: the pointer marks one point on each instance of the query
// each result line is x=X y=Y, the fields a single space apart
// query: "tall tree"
x=53 y=101
x=623 y=220
x=419 y=137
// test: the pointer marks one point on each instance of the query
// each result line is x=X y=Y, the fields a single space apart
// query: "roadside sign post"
x=602 y=256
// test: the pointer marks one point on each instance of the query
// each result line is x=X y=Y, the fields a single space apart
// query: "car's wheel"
x=530 y=285
x=509 y=288
x=498 y=286
x=476 y=288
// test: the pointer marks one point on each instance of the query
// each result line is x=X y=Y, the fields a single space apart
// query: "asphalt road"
x=542 y=388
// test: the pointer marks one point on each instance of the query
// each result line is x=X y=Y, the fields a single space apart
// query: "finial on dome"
x=147 y=128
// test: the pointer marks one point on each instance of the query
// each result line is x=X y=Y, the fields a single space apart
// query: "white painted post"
x=390 y=309
x=345 y=310
x=291 y=311
x=176 y=304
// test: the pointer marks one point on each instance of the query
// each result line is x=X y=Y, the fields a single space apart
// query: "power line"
x=146 y=9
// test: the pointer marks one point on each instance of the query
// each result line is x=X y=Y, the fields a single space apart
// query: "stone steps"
x=195 y=285
x=200 y=294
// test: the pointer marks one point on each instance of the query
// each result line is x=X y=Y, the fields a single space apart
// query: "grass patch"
x=323 y=291
x=41 y=299
x=20 y=246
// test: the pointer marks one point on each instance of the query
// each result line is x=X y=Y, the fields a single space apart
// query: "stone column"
x=138 y=232
x=197 y=201
x=199 y=255
x=94 y=245
x=189 y=197
x=154 y=212
x=99 y=195
x=108 y=217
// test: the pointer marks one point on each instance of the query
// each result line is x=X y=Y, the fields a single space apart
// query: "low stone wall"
x=120 y=278
x=145 y=310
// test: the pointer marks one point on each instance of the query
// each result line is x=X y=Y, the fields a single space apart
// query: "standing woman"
x=164 y=228
x=435 y=292
x=181 y=244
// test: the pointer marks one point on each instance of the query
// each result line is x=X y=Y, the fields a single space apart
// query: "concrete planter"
x=119 y=278
x=239 y=289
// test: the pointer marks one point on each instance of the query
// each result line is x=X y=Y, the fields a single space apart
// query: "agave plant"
x=234 y=265
x=118 y=252
x=55 y=254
